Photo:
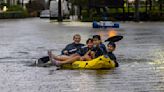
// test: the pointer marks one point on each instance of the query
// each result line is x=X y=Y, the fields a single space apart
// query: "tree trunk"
x=146 y=6
x=79 y=14
x=160 y=7
x=128 y=8
x=137 y=10
x=150 y=5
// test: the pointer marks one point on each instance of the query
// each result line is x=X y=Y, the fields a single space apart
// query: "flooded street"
x=22 y=41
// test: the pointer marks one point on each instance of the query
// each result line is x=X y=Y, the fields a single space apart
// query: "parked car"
x=45 y=14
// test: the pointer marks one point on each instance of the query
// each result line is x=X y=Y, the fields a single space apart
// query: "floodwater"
x=22 y=41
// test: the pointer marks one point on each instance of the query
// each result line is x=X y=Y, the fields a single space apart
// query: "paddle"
x=114 y=38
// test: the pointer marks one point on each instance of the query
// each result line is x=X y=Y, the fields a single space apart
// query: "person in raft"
x=73 y=47
x=83 y=54
x=99 y=48
x=70 y=50
x=111 y=46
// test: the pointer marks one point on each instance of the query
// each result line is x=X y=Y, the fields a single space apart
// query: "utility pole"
x=22 y=3
x=137 y=10
x=60 y=19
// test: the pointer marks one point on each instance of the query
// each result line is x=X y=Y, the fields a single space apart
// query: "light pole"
x=60 y=19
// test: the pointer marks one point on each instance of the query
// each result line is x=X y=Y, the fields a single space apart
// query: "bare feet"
x=50 y=56
x=53 y=61
x=57 y=63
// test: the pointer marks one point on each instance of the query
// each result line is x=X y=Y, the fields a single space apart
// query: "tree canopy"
x=98 y=3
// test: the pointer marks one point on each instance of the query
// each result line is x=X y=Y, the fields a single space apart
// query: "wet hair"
x=76 y=35
x=97 y=37
x=112 y=44
x=89 y=39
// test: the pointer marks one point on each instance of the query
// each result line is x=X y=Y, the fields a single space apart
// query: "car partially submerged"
x=105 y=24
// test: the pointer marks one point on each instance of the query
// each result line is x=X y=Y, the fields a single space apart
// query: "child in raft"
x=111 y=46
x=99 y=48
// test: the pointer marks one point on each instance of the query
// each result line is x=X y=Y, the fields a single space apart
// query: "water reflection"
x=91 y=80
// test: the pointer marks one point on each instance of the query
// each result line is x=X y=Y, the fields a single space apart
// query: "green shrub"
x=15 y=11
x=15 y=8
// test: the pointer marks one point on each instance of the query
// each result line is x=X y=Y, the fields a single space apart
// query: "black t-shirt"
x=98 y=51
x=83 y=51
x=72 y=48
x=113 y=57
x=101 y=50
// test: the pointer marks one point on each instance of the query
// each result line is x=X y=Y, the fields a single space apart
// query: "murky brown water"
x=22 y=41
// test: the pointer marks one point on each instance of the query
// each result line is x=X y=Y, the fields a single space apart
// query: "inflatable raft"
x=102 y=62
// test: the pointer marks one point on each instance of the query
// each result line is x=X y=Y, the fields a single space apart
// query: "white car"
x=45 y=14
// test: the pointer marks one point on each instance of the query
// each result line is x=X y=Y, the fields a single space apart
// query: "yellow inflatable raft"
x=101 y=62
